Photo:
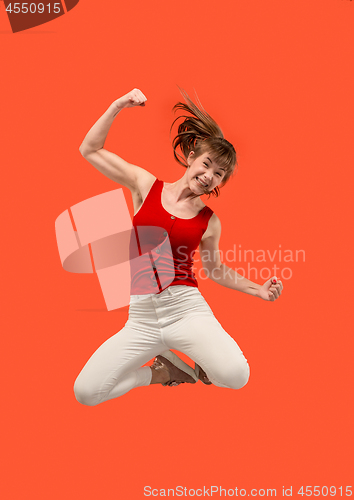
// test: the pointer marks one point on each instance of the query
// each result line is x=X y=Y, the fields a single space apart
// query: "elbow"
x=83 y=150
x=216 y=273
x=212 y=273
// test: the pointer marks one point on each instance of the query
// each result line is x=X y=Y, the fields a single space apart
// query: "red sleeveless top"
x=163 y=245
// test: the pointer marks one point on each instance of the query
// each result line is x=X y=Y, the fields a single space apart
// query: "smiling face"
x=203 y=173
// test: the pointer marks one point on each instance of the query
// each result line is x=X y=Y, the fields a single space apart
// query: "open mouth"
x=201 y=182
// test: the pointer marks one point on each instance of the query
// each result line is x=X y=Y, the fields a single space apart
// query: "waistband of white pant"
x=135 y=298
x=176 y=288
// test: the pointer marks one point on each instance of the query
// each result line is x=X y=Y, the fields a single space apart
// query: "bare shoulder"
x=214 y=228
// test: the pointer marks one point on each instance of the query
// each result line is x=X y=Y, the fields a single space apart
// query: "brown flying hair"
x=200 y=133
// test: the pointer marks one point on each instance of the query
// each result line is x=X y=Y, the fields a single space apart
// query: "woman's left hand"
x=271 y=289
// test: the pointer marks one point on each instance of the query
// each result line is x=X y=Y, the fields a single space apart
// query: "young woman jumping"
x=172 y=316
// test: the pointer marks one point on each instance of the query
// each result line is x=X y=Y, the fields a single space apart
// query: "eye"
x=206 y=164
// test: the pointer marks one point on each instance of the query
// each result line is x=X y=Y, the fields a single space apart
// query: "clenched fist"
x=134 y=98
x=271 y=289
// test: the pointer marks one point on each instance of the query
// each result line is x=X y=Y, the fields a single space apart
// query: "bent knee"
x=240 y=378
x=84 y=395
x=235 y=376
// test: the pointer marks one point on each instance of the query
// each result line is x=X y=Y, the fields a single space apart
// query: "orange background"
x=278 y=77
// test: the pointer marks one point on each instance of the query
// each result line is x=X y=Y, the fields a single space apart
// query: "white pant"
x=178 y=318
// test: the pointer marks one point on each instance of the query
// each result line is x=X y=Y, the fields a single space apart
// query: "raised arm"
x=111 y=165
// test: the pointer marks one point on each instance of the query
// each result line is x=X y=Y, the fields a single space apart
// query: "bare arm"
x=213 y=267
x=96 y=136
x=224 y=275
x=110 y=164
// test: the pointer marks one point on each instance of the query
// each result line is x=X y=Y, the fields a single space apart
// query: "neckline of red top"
x=172 y=215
